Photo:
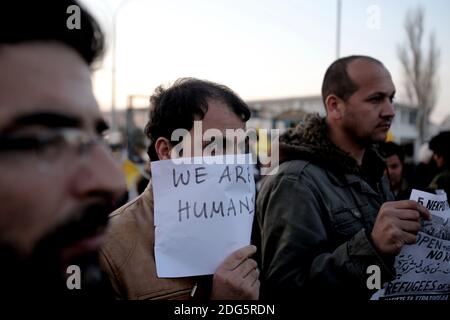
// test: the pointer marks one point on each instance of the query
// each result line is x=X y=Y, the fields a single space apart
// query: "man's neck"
x=346 y=143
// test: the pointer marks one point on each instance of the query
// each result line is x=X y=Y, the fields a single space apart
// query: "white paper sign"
x=423 y=269
x=203 y=213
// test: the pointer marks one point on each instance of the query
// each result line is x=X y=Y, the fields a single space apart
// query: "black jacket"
x=315 y=216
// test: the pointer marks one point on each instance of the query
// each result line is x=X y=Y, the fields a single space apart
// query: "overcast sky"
x=259 y=48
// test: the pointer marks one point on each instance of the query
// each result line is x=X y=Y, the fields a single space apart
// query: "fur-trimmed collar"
x=310 y=142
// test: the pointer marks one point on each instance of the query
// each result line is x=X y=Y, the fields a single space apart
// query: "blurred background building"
x=280 y=113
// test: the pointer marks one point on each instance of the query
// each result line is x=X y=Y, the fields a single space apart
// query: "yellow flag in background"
x=131 y=172
x=263 y=142
x=390 y=137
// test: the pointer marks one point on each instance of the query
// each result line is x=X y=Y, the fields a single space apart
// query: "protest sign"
x=203 y=212
x=423 y=269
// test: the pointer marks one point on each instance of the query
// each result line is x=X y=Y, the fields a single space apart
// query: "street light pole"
x=113 y=75
x=113 y=67
x=338 y=29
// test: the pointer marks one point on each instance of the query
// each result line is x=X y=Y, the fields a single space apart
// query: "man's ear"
x=163 y=148
x=334 y=106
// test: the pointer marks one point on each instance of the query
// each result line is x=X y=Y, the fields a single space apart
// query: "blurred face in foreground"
x=58 y=182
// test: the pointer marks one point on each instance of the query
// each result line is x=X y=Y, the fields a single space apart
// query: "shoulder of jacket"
x=123 y=231
x=290 y=170
x=300 y=169
x=293 y=167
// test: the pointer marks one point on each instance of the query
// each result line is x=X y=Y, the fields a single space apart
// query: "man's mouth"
x=87 y=234
x=82 y=247
x=385 y=126
x=79 y=237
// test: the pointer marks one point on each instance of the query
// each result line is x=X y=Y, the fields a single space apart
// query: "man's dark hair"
x=440 y=144
x=178 y=106
x=46 y=20
x=390 y=149
x=338 y=82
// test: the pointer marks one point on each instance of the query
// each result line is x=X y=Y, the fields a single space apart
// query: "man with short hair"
x=58 y=182
x=327 y=215
x=128 y=255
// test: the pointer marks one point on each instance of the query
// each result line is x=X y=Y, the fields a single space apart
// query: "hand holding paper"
x=203 y=213
x=237 y=277
x=423 y=268
x=397 y=224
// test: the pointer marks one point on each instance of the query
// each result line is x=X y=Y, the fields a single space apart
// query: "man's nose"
x=388 y=110
x=100 y=175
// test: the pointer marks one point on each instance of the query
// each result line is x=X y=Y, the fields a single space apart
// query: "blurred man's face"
x=394 y=167
x=55 y=192
x=221 y=118
x=210 y=137
x=439 y=159
x=369 y=112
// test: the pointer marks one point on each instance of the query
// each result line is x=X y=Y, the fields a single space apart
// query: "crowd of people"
x=338 y=203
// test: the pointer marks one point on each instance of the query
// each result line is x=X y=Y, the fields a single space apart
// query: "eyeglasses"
x=49 y=147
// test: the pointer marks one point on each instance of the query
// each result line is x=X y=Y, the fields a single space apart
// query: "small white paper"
x=203 y=212
x=423 y=269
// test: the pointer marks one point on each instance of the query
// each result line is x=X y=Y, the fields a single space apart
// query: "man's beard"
x=362 y=140
x=43 y=274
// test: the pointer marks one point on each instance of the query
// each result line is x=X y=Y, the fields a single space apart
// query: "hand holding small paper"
x=397 y=224
x=423 y=266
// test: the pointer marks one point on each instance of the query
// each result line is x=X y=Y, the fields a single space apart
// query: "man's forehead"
x=221 y=116
x=368 y=74
x=44 y=78
x=393 y=158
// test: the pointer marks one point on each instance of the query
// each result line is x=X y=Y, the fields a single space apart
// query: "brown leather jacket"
x=128 y=257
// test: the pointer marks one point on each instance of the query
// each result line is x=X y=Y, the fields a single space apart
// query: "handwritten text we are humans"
x=198 y=175
x=209 y=209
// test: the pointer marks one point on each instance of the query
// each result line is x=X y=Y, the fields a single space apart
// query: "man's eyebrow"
x=378 y=93
x=45 y=119
x=381 y=93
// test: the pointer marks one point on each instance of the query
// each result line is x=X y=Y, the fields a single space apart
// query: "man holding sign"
x=149 y=252
x=327 y=215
